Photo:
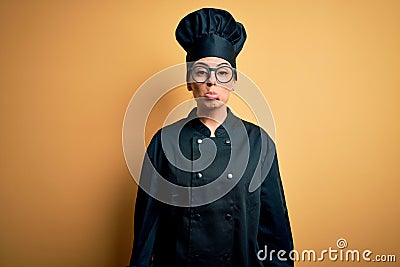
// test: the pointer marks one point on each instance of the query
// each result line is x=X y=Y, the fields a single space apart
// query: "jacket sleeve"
x=274 y=231
x=147 y=208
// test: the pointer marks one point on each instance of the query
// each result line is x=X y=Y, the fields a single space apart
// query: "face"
x=211 y=93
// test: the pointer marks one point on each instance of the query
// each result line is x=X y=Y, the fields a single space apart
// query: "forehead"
x=212 y=61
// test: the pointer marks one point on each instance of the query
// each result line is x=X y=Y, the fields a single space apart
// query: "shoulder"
x=259 y=138
x=255 y=130
x=175 y=127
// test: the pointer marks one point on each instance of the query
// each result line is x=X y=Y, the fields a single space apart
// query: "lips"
x=211 y=95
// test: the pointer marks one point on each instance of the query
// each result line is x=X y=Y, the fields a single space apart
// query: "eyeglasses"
x=201 y=74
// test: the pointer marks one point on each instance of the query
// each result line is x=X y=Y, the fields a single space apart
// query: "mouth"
x=211 y=96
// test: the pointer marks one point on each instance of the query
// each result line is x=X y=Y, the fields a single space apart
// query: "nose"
x=212 y=80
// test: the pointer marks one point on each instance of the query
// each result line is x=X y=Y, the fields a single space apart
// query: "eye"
x=201 y=73
x=223 y=73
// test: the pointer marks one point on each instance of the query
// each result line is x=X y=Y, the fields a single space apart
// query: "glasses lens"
x=200 y=74
x=224 y=74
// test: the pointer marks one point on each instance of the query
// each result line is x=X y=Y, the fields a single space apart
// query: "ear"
x=189 y=86
x=234 y=85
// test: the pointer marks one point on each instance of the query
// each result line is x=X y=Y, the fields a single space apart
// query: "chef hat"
x=210 y=32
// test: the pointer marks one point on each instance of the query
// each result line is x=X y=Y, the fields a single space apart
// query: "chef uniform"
x=195 y=228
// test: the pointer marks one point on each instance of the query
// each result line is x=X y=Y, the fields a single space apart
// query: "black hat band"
x=212 y=46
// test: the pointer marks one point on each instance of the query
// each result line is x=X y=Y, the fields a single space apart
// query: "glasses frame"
x=209 y=72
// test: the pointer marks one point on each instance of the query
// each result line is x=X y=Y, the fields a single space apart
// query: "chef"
x=226 y=201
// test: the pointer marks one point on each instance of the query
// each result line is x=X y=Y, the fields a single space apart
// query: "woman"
x=218 y=220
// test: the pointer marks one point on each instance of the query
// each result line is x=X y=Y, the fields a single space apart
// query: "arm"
x=274 y=228
x=147 y=209
x=145 y=228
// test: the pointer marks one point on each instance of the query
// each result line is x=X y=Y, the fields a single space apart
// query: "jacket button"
x=230 y=176
x=199 y=141
x=227 y=141
x=196 y=217
x=227 y=257
x=228 y=216
x=199 y=175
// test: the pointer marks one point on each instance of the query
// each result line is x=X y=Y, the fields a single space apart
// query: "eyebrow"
x=204 y=64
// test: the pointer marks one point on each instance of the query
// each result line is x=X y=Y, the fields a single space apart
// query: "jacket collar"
x=222 y=131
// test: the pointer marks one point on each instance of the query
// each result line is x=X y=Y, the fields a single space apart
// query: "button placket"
x=196 y=217
x=227 y=256
x=228 y=216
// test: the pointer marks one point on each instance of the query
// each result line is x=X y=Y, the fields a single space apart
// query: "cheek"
x=228 y=86
x=226 y=96
x=197 y=88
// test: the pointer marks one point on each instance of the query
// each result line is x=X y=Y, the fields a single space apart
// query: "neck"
x=213 y=117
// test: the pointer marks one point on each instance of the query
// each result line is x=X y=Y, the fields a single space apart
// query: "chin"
x=210 y=104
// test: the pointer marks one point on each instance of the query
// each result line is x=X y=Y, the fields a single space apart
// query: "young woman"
x=215 y=158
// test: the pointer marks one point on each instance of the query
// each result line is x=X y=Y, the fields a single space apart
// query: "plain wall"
x=329 y=70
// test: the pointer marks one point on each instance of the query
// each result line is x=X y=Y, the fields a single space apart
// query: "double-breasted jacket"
x=220 y=214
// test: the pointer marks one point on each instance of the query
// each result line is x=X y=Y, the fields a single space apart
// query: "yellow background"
x=329 y=69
